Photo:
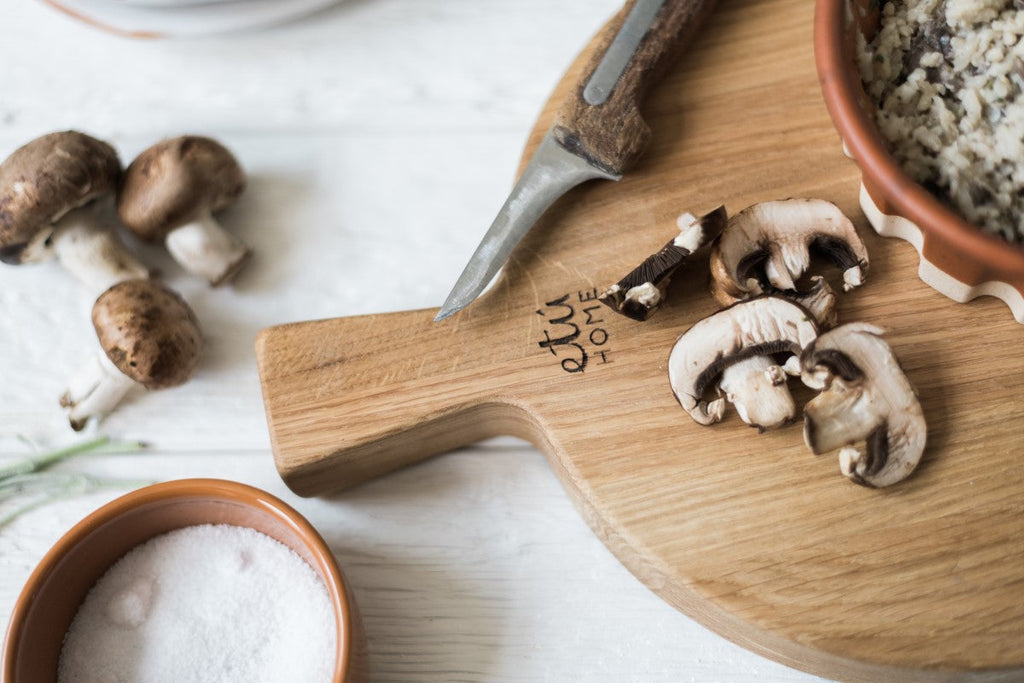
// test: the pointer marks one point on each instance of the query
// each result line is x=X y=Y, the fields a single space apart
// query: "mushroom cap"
x=44 y=179
x=148 y=332
x=769 y=246
x=758 y=327
x=176 y=180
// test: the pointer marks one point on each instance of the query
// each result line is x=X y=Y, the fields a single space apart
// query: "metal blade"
x=552 y=171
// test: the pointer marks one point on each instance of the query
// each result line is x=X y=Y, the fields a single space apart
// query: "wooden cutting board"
x=748 y=533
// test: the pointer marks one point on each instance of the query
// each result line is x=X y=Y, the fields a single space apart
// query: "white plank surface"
x=380 y=136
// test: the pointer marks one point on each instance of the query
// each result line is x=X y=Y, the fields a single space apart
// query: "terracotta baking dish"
x=957 y=259
x=53 y=593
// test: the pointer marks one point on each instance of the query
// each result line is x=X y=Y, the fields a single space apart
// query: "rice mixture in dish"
x=947 y=77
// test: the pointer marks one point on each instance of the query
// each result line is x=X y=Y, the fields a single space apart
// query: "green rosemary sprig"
x=100 y=444
x=25 y=477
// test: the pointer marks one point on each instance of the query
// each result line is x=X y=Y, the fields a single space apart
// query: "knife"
x=597 y=133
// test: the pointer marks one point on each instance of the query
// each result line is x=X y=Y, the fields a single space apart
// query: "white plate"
x=184 y=18
x=170 y=4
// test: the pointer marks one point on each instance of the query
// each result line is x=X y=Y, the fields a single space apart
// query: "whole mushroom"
x=170 y=192
x=50 y=191
x=767 y=248
x=865 y=398
x=149 y=337
x=736 y=349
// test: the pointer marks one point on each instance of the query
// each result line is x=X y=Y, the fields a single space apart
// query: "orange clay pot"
x=58 y=586
x=957 y=258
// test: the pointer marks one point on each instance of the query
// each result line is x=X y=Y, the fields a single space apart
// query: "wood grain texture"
x=472 y=566
x=747 y=533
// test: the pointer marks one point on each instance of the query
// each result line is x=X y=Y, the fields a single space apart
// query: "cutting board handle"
x=354 y=398
x=600 y=119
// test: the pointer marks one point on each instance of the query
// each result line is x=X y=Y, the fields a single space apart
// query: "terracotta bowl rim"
x=204 y=488
x=839 y=87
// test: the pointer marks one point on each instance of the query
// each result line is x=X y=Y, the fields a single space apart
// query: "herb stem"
x=38 y=462
x=49 y=487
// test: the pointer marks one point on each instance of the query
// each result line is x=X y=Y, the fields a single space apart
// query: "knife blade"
x=598 y=133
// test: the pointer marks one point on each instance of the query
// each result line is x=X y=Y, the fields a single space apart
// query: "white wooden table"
x=380 y=137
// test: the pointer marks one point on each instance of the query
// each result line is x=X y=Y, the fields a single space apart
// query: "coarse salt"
x=204 y=603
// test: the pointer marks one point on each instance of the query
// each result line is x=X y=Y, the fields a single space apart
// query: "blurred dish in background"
x=185 y=18
x=167 y=3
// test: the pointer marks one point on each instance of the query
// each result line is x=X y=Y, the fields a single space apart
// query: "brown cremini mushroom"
x=45 y=187
x=642 y=290
x=865 y=399
x=170 y=191
x=766 y=249
x=737 y=350
x=149 y=337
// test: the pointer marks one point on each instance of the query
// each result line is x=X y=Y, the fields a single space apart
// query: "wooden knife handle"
x=601 y=120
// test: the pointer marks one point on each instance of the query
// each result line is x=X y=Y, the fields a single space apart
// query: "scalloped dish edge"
x=897 y=226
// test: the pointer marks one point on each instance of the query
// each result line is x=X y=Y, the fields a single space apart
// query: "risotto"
x=947 y=77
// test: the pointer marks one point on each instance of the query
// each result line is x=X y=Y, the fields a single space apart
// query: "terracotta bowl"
x=957 y=258
x=58 y=586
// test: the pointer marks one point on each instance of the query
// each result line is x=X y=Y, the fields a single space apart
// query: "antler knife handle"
x=601 y=120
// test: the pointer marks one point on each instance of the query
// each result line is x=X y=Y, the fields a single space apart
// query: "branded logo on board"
x=573 y=332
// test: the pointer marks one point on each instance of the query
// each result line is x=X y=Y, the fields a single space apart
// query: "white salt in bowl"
x=53 y=593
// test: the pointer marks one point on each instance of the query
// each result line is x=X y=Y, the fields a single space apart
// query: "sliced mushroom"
x=640 y=292
x=736 y=350
x=819 y=299
x=866 y=399
x=45 y=186
x=170 y=192
x=149 y=336
x=767 y=248
x=757 y=389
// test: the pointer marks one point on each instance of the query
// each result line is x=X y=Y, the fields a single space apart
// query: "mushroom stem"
x=756 y=386
x=786 y=260
x=204 y=248
x=819 y=299
x=95 y=390
x=92 y=252
x=36 y=250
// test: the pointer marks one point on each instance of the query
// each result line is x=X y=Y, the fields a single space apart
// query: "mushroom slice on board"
x=766 y=249
x=170 y=192
x=819 y=299
x=640 y=292
x=45 y=186
x=865 y=398
x=736 y=349
x=149 y=337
